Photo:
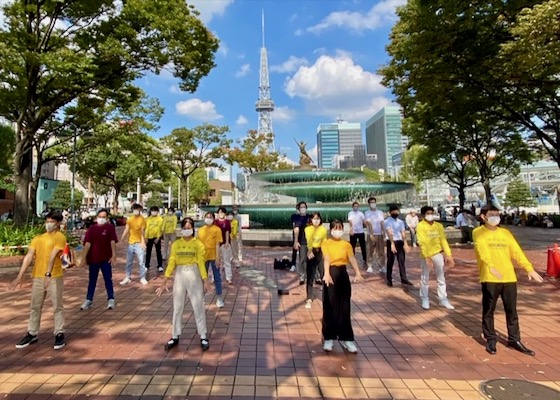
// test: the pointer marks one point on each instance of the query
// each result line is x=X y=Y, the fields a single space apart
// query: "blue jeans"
x=107 y=272
x=217 y=276
x=135 y=250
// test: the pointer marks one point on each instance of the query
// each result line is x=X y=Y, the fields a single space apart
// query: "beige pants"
x=376 y=251
x=237 y=249
x=168 y=239
x=38 y=295
x=225 y=255
x=188 y=281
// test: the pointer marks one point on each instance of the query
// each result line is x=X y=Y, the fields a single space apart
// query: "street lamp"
x=72 y=188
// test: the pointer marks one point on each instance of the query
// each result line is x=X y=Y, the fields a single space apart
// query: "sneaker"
x=204 y=344
x=110 y=304
x=126 y=281
x=229 y=282
x=143 y=281
x=160 y=269
x=26 y=341
x=301 y=281
x=59 y=341
x=219 y=303
x=447 y=304
x=370 y=270
x=171 y=343
x=382 y=270
x=328 y=345
x=350 y=346
x=293 y=269
x=308 y=303
x=86 y=305
x=426 y=304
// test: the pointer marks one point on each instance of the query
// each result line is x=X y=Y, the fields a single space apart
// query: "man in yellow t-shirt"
x=46 y=276
x=136 y=229
x=154 y=232
x=170 y=222
x=495 y=247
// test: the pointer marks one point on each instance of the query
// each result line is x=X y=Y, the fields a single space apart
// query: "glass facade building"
x=334 y=139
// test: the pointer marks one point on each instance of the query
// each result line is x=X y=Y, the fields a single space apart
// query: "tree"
x=155 y=200
x=518 y=194
x=193 y=149
x=7 y=147
x=252 y=154
x=198 y=187
x=61 y=198
x=372 y=175
x=65 y=54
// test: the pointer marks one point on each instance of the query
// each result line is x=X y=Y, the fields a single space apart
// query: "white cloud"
x=210 y=8
x=381 y=14
x=290 y=65
x=242 y=120
x=313 y=153
x=175 y=89
x=243 y=71
x=335 y=85
x=223 y=49
x=198 y=109
x=283 y=114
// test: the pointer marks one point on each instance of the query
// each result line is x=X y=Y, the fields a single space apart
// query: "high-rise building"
x=384 y=137
x=264 y=105
x=337 y=138
x=359 y=159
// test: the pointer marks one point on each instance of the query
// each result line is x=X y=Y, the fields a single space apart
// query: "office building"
x=359 y=159
x=337 y=139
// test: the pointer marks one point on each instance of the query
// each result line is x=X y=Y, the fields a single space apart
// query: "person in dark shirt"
x=225 y=248
x=299 y=221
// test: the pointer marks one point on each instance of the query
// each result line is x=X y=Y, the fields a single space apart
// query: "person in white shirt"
x=466 y=225
x=411 y=220
x=396 y=245
x=356 y=218
x=375 y=238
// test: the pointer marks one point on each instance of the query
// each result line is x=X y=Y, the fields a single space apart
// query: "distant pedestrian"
x=169 y=227
x=211 y=236
x=154 y=233
x=136 y=229
x=376 y=237
x=357 y=219
x=411 y=220
x=225 y=247
x=397 y=247
x=237 y=240
x=315 y=234
x=299 y=221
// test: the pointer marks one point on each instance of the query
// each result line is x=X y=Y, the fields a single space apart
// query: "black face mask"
x=395 y=216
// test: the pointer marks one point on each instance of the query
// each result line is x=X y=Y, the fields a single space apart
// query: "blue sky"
x=323 y=56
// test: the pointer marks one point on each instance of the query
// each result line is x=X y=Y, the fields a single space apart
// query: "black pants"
x=466 y=232
x=491 y=292
x=359 y=237
x=314 y=267
x=149 y=245
x=401 y=257
x=336 y=306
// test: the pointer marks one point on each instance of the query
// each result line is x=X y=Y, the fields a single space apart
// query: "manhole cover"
x=515 y=389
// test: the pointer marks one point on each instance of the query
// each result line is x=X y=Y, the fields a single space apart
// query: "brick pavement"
x=263 y=345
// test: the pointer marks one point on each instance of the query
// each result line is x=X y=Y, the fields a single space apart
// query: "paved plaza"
x=263 y=345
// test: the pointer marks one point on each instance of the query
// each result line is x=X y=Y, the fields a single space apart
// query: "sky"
x=322 y=54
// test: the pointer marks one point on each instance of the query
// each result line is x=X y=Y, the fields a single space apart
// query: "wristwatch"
x=48 y=274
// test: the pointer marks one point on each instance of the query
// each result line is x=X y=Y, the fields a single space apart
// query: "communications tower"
x=264 y=105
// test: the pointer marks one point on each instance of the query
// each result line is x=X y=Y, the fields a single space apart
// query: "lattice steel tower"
x=264 y=105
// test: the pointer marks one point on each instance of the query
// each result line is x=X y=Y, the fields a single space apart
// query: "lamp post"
x=72 y=188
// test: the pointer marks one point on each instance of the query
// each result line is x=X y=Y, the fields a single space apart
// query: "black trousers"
x=336 y=306
x=149 y=245
x=314 y=268
x=400 y=256
x=359 y=237
x=491 y=292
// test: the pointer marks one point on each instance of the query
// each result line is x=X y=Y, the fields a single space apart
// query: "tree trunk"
x=487 y=191
x=116 y=200
x=462 y=196
x=184 y=196
x=23 y=177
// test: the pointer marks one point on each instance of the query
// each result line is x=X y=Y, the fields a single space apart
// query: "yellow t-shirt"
x=338 y=252
x=135 y=225
x=211 y=236
x=187 y=252
x=44 y=245
x=432 y=239
x=495 y=249
x=154 y=227
x=315 y=236
x=234 y=228
x=169 y=223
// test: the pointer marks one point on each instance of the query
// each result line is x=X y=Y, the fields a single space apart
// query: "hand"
x=83 y=263
x=113 y=260
x=496 y=273
x=535 y=275
x=310 y=255
x=296 y=246
x=163 y=287
x=393 y=248
x=156 y=240
x=358 y=278
x=429 y=262
x=328 y=280
x=16 y=282
x=227 y=245
x=450 y=261
x=47 y=282
x=207 y=286
x=143 y=245
x=406 y=248
x=372 y=237
x=351 y=232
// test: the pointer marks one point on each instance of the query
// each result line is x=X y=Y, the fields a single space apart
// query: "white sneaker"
x=308 y=304
x=143 y=281
x=447 y=305
x=382 y=270
x=328 y=345
x=370 y=270
x=160 y=269
x=426 y=304
x=293 y=269
x=126 y=281
x=87 y=305
x=350 y=346
x=219 y=303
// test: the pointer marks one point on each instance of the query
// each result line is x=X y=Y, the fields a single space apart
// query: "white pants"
x=439 y=263
x=237 y=248
x=226 y=255
x=188 y=281
x=168 y=239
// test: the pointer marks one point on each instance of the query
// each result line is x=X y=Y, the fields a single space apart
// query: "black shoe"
x=26 y=341
x=171 y=343
x=521 y=347
x=301 y=282
x=491 y=346
x=204 y=344
x=390 y=283
x=318 y=282
x=59 y=341
x=406 y=282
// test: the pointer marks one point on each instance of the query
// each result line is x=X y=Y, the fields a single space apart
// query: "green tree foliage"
x=518 y=194
x=252 y=154
x=7 y=148
x=198 y=187
x=372 y=175
x=62 y=195
x=63 y=56
x=155 y=200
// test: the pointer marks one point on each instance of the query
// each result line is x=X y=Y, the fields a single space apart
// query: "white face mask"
x=230 y=217
x=373 y=206
x=316 y=222
x=170 y=212
x=154 y=213
x=208 y=221
x=187 y=232
x=429 y=217
x=494 y=220
x=136 y=212
x=101 y=221
x=337 y=234
x=303 y=211
x=50 y=226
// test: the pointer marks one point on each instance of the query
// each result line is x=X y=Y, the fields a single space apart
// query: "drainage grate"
x=516 y=389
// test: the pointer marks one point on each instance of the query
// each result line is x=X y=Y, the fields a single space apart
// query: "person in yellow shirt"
x=46 y=275
x=136 y=229
x=169 y=226
x=211 y=236
x=154 y=233
x=188 y=259
x=495 y=247
x=234 y=238
x=434 y=253
x=316 y=234
x=337 y=291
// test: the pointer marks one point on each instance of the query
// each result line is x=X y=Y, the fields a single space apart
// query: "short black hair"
x=425 y=209
x=103 y=210
x=222 y=209
x=484 y=209
x=172 y=209
x=55 y=215
x=154 y=208
x=335 y=223
x=355 y=204
x=316 y=215
x=393 y=208
x=371 y=199
x=137 y=206
x=301 y=203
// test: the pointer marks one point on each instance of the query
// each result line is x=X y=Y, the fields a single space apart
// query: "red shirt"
x=100 y=237
x=225 y=226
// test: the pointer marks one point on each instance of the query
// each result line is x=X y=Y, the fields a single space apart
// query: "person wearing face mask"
x=396 y=245
x=316 y=234
x=100 y=253
x=495 y=248
x=434 y=253
x=411 y=220
x=154 y=233
x=376 y=237
x=135 y=228
x=169 y=226
x=211 y=236
x=337 y=291
x=187 y=259
x=225 y=248
x=237 y=241
x=357 y=219
x=46 y=275
x=299 y=221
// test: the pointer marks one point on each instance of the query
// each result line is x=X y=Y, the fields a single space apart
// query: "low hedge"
x=14 y=240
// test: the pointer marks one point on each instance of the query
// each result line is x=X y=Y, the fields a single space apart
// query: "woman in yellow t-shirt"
x=211 y=236
x=315 y=233
x=187 y=257
x=337 y=254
